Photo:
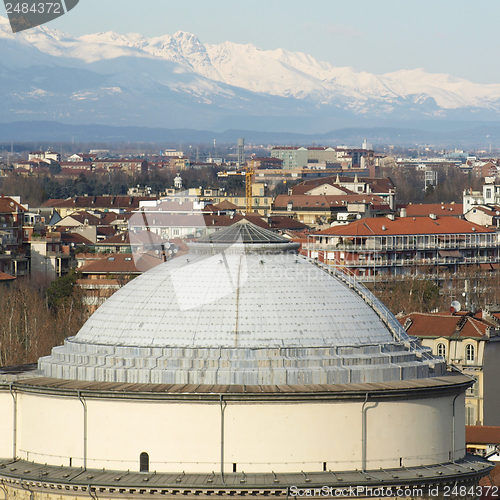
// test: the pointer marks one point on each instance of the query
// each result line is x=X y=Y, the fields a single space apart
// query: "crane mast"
x=249 y=172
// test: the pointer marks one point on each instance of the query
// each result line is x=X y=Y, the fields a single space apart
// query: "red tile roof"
x=383 y=226
x=425 y=209
x=378 y=185
x=482 y=434
x=75 y=238
x=84 y=218
x=446 y=324
x=119 y=263
x=8 y=205
x=283 y=222
x=324 y=202
x=105 y=231
x=111 y=217
x=225 y=205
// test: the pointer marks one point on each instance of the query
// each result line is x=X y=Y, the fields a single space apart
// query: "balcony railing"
x=381 y=309
x=438 y=261
x=353 y=247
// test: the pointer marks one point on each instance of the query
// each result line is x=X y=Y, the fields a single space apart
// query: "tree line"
x=35 y=317
x=451 y=183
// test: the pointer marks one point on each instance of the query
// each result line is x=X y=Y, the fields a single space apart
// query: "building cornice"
x=407 y=389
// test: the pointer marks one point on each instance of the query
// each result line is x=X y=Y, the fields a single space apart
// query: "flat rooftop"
x=129 y=483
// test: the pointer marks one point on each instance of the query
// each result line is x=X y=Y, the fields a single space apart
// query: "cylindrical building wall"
x=192 y=435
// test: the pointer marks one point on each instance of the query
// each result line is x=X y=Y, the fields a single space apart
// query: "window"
x=469 y=352
x=470 y=415
x=441 y=350
x=144 y=462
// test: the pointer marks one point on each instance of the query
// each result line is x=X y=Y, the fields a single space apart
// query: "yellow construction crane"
x=249 y=172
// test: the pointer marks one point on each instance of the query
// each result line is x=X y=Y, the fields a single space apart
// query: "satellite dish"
x=455 y=306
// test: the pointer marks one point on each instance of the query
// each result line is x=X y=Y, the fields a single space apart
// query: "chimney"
x=433 y=216
x=391 y=217
x=402 y=212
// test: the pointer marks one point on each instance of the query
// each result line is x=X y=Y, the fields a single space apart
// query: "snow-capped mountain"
x=131 y=78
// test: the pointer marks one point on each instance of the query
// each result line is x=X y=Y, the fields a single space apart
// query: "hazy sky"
x=452 y=36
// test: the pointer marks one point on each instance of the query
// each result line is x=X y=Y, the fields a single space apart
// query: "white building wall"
x=6 y=424
x=50 y=429
x=176 y=436
x=258 y=437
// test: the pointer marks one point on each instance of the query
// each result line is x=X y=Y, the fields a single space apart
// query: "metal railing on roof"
x=382 y=311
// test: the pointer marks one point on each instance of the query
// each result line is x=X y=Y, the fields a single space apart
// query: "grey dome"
x=251 y=313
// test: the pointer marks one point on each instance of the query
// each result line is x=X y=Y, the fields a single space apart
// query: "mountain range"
x=176 y=81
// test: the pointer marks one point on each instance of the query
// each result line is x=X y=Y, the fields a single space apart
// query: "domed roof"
x=244 y=232
x=240 y=311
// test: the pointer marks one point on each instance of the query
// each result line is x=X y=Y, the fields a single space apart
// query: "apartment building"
x=292 y=157
x=49 y=255
x=297 y=157
x=13 y=254
x=261 y=202
x=102 y=275
x=129 y=166
x=397 y=246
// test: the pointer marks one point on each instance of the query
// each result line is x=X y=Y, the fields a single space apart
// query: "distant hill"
x=176 y=81
x=462 y=135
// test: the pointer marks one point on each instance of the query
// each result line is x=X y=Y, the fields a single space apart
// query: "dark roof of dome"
x=245 y=232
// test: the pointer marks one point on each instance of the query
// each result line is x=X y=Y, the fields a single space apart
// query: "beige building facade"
x=470 y=342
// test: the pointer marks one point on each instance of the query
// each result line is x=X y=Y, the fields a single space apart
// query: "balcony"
x=437 y=261
x=352 y=247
